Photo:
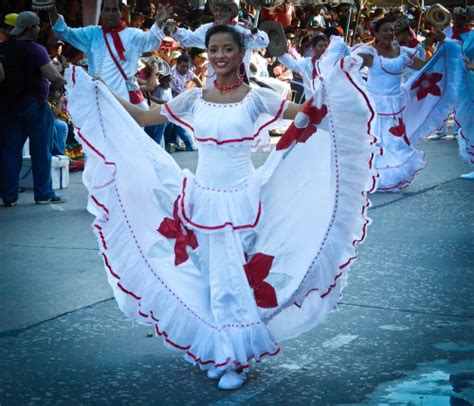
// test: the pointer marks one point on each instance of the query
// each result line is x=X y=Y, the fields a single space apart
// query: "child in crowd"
x=64 y=142
x=181 y=75
x=61 y=119
x=161 y=95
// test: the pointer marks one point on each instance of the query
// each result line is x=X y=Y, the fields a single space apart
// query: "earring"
x=241 y=71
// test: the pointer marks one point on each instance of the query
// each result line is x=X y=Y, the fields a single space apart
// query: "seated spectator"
x=181 y=75
x=317 y=20
x=55 y=49
x=199 y=63
x=161 y=95
x=61 y=118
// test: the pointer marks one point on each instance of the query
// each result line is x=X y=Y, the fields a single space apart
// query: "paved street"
x=403 y=333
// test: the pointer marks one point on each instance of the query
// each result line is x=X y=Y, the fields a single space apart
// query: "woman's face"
x=319 y=48
x=225 y=55
x=385 y=34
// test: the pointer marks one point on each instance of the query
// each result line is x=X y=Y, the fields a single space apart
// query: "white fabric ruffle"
x=314 y=202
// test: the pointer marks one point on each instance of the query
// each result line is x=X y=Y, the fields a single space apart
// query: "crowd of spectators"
x=307 y=29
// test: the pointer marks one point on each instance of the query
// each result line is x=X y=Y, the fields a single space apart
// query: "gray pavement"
x=404 y=333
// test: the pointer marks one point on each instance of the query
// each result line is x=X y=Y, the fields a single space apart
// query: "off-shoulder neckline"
x=225 y=104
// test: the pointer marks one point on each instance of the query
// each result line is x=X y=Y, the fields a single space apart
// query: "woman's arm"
x=157 y=100
x=368 y=60
x=144 y=118
x=418 y=63
x=197 y=81
x=291 y=111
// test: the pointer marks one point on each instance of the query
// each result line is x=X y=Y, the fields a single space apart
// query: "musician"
x=225 y=12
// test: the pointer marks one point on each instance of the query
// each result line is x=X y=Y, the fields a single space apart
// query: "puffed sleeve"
x=364 y=49
x=180 y=110
x=267 y=109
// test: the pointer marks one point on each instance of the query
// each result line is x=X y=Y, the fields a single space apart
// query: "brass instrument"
x=438 y=16
x=42 y=4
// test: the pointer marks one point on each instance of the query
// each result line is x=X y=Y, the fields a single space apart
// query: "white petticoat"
x=230 y=261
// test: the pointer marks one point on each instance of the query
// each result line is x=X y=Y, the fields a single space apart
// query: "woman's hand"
x=468 y=64
x=162 y=14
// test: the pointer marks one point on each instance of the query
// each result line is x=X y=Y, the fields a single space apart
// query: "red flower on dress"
x=400 y=131
x=427 y=84
x=173 y=228
x=256 y=270
x=309 y=117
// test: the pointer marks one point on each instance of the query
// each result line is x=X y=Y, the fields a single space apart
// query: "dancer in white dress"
x=464 y=108
x=406 y=113
x=227 y=262
x=307 y=67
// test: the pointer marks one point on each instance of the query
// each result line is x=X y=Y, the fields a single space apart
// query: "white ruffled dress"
x=464 y=108
x=229 y=261
x=409 y=112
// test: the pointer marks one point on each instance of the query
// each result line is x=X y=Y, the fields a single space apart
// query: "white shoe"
x=215 y=373
x=436 y=136
x=232 y=380
x=468 y=176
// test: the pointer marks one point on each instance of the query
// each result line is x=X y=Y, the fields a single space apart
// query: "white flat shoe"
x=436 y=136
x=469 y=176
x=214 y=373
x=232 y=380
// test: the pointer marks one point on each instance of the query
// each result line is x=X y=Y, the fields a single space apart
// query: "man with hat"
x=113 y=49
x=25 y=112
x=225 y=12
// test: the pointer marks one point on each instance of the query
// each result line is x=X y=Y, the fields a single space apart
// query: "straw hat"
x=277 y=37
x=233 y=4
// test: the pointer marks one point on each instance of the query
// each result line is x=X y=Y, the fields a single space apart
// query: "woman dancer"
x=228 y=262
x=406 y=113
x=322 y=61
x=307 y=67
x=464 y=108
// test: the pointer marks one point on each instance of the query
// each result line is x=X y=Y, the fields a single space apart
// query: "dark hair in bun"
x=218 y=29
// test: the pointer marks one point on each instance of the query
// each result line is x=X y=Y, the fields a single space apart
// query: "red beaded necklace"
x=223 y=88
